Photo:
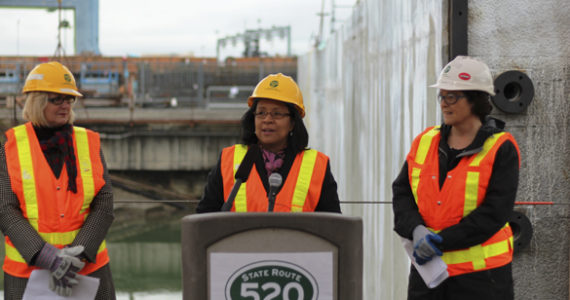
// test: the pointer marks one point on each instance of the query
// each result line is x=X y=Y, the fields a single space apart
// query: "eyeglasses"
x=449 y=99
x=59 y=99
x=275 y=115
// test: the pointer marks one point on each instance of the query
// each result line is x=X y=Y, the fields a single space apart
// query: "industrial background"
x=164 y=121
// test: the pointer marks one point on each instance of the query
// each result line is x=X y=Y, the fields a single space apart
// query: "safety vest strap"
x=240 y=200
x=27 y=170
x=84 y=157
x=304 y=180
x=472 y=180
x=489 y=143
x=479 y=254
x=471 y=192
x=15 y=264
x=425 y=144
x=420 y=157
x=13 y=254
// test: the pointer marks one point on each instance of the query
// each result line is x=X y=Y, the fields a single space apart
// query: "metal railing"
x=154 y=81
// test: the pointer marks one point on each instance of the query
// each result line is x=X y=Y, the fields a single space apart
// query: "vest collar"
x=490 y=127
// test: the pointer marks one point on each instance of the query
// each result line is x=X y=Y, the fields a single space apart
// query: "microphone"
x=275 y=181
x=242 y=174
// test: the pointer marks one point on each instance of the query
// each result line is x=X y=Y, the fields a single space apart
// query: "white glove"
x=64 y=270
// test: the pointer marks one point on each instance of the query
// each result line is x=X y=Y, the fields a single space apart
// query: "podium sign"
x=262 y=256
x=302 y=275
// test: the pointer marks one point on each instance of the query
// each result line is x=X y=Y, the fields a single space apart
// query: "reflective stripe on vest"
x=304 y=182
x=84 y=158
x=14 y=263
x=27 y=170
x=472 y=181
x=420 y=158
x=494 y=252
x=240 y=200
x=480 y=252
x=14 y=255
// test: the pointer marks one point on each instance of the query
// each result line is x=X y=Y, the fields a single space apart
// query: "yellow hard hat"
x=51 y=77
x=281 y=88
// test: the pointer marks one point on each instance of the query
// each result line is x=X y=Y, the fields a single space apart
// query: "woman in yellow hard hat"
x=56 y=203
x=457 y=189
x=278 y=171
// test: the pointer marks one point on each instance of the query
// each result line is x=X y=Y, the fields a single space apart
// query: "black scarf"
x=57 y=146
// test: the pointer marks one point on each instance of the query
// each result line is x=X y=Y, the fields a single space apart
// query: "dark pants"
x=494 y=284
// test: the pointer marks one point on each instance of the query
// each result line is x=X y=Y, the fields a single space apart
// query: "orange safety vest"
x=54 y=212
x=300 y=191
x=463 y=191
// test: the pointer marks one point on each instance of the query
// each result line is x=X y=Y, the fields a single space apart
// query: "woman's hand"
x=424 y=244
x=63 y=264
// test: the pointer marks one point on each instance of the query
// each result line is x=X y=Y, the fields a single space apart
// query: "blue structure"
x=100 y=83
x=86 y=20
x=10 y=81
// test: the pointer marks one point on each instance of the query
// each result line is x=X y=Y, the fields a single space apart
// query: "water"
x=146 y=259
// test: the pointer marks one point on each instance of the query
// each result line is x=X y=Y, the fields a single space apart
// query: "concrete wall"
x=367 y=97
x=171 y=139
x=163 y=152
x=534 y=37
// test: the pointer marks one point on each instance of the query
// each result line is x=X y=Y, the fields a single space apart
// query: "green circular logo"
x=67 y=77
x=447 y=69
x=274 y=83
x=277 y=280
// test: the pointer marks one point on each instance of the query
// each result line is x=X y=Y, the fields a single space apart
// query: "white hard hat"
x=466 y=73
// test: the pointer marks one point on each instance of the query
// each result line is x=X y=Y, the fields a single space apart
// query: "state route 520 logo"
x=271 y=280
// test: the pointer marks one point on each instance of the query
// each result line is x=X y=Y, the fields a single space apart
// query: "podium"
x=256 y=256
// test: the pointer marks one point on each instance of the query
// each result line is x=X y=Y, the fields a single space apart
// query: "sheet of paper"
x=38 y=288
x=433 y=272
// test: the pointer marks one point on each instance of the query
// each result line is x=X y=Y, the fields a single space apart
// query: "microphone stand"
x=275 y=181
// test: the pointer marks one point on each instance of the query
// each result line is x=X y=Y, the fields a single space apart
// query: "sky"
x=173 y=27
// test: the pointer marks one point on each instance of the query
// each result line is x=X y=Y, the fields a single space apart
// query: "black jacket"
x=213 y=197
x=486 y=219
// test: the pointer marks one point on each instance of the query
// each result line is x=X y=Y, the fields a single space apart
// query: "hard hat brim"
x=70 y=92
x=454 y=87
x=301 y=110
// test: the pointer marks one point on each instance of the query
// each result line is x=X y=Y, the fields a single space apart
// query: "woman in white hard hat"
x=283 y=175
x=457 y=189
x=56 y=202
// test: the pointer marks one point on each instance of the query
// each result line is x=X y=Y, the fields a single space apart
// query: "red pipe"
x=535 y=203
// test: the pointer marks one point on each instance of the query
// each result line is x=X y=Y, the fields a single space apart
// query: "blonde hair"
x=34 y=107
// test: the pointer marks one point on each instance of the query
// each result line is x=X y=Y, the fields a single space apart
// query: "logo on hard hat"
x=67 y=77
x=274 y=83
x=447 y=69
x=464 y=76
